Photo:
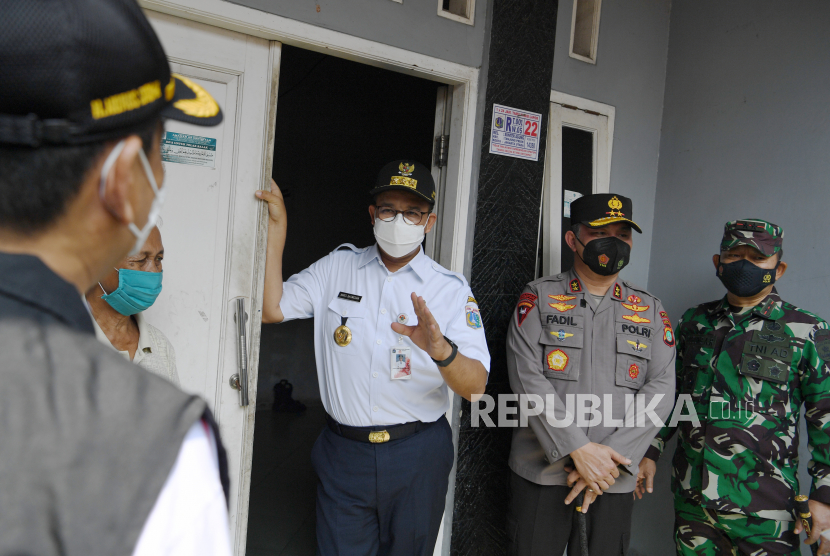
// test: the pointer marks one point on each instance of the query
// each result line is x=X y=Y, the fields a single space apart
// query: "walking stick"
x=802 y=511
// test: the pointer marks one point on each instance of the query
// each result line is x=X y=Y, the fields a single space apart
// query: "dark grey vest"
x=87 y=441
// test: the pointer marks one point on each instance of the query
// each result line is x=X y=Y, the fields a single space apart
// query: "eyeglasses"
x=411 y=217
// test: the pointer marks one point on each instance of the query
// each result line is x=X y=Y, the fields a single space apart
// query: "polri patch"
x=473 y=317
x=557 y=360
x=527 y=301
x=350 y=297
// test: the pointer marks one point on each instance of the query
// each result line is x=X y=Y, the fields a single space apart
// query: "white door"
x=565 y=119
x=212 y=224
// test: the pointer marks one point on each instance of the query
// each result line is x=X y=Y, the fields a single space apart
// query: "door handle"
x=241 y=382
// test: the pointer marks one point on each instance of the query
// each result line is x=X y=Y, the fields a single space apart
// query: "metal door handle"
x=241 y=319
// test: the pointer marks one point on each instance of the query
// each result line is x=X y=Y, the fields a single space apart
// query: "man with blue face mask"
x=97 y=456
x=118 y=305
x=394 y=332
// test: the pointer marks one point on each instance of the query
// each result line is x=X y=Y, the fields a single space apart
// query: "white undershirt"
x=190 y=516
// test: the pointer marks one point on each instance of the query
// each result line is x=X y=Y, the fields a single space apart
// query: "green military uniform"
x=748 y=374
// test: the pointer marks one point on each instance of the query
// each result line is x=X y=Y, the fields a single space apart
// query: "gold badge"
x=562 y=297
x=636 y=308
x=342 y=335
x=406 y=168
x=615 y=205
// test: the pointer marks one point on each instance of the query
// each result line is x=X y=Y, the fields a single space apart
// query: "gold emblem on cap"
x=406 y=168
x=615 y=205
x=342 y=335
x=203 y=106
x=406 y=182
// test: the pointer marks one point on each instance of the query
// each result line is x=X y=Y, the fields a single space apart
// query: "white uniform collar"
x=420 y=264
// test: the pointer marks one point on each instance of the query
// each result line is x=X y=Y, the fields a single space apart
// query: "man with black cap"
x=394 y=330
x=750 y=363
x=585 y=336
x=96 y=455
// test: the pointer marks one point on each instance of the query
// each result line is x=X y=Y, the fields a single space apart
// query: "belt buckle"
x=379 y=437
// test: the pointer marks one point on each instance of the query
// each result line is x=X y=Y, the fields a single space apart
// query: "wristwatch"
x=449 y=359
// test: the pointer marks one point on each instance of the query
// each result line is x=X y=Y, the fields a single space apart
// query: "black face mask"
x=606 y=256
x=745 y=279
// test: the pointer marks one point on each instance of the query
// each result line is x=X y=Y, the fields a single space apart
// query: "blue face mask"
x=136 y=292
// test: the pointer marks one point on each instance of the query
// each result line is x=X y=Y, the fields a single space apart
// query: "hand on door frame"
x=277 y=231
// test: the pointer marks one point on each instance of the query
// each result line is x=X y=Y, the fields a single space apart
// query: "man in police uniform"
x=585 y=332
x=393 y=330
x=749 y=361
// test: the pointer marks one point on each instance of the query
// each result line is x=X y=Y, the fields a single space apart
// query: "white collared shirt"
x=154 y=352
x=355 y=380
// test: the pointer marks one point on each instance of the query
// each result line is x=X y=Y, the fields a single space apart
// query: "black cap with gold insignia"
x=406 y=175
x=85 y=71
x=601 y=209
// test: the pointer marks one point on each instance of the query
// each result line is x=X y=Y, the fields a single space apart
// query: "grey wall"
x=629 y=75
x=414 y=25
x=746 y=133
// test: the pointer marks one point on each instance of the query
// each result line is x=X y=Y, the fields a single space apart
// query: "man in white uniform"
x=393 y=331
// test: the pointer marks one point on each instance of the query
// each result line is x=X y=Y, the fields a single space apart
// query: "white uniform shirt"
x=356 y=384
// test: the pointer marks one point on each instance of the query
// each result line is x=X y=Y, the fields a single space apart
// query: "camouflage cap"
x=764 y=236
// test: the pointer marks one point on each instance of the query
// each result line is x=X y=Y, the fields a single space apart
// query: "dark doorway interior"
x=338 y=123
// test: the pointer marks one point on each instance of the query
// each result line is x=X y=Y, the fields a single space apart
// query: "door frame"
x=457 y=202
x=550 y=236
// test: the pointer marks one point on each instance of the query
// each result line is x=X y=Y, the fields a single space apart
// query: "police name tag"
x=401 y=363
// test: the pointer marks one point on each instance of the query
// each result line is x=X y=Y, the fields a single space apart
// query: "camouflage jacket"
x=748 y=376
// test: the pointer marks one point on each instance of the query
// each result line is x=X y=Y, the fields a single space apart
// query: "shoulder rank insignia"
x=617 y=292
x=634 y=299
x=636 y=308
x=561 y=307
x=557 y=360
x=527 y=301
x=562 y=297
x=637 y=346
x=576 y=286
x=561 y=335
x=635 y=318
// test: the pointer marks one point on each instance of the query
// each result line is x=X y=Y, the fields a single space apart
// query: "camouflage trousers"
x=702 y=532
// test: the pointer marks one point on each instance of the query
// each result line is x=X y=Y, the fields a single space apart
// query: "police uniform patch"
x=636 y=308
x=636 y=318
x=633 y=371
x=562 y=297
x=561 y=335
x=634 y=299
x=822 y=340
x=473 y=317
x=576 y=286
x=557 y=360
x=561 y=307
x=668 y=336
x=527 y=301
x=617 y=292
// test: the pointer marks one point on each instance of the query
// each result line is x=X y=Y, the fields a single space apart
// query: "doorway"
x=338 y=122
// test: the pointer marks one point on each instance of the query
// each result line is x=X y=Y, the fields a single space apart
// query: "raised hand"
x=426 y=334
x=276 y=204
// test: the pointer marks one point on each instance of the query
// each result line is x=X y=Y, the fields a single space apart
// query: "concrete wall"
x=629 y=74
x=746 y=133
x=413 y=25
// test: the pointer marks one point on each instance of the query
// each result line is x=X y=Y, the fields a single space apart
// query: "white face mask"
x=397 y=238
x=155 y=208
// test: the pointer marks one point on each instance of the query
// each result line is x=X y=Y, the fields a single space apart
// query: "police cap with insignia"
x=764 y=236
x=406 y=175
x=601 y=209
x=87 y=71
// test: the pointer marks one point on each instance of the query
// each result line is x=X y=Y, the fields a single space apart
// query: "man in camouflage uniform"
x=585 y=333
x=748 y=362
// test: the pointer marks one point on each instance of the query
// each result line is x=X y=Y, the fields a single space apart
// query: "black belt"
x=372 y=436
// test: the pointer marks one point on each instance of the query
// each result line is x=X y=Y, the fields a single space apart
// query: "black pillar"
x=504 y=257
